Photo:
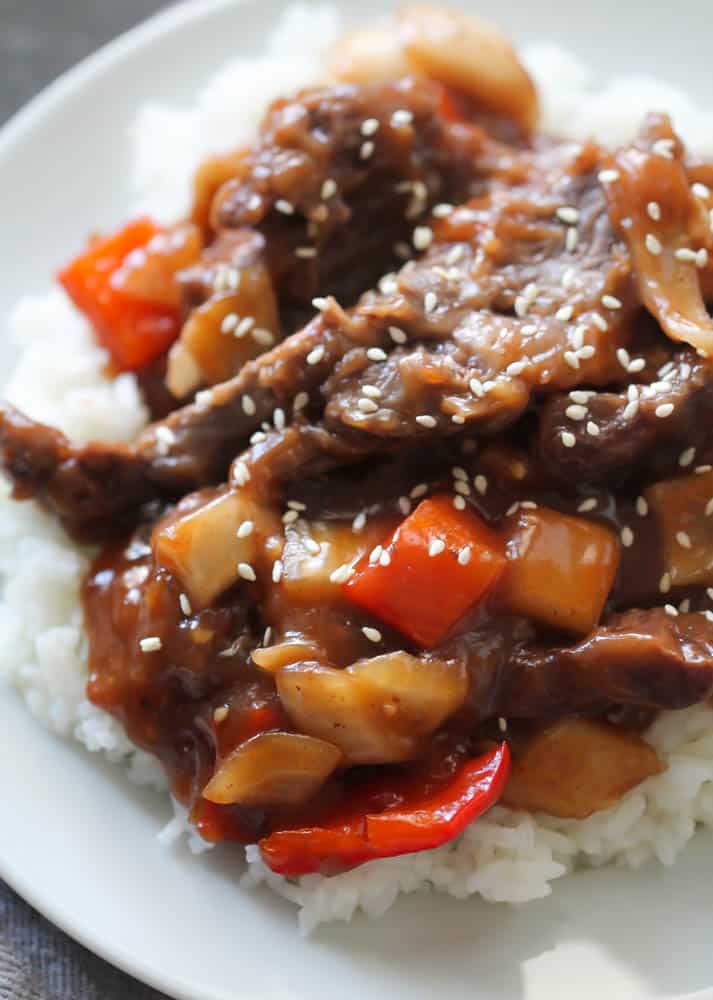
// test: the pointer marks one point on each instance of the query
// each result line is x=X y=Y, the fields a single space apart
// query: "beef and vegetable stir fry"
x=436 y=525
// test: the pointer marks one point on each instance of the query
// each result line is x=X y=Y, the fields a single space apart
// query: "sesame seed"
x=422 y=237
x=576 y=412
x=577 y=337
x=709 y=508
x=464 y=555
x=586 y=505
x=329 y=189
x=600 y=322
x=419 y=491
x=685 y=254
x=277 y=571
x=568 y=214
x=611 y=302
x=305 y=253
x=248 y=405
x=284 y=206
x=568 y=439
x=370 y=126
x=459 y=502
x=278 y=419
x=684 y=539
x=702 y=258
x=319 y=303
x=296 y=505
x=375 y=553
x=404 y=505
x=430 y=302
x=244 y=326
x=607 y=176
x=516 y=367
x=571 y=359
x=571 y=240
x=630 y=410
x=290 y=516
x=665 y=583
x=664 y=148
x=460 y=487
x=372 y=634
x=442 y=210
x=436 y=547
x=458 y=472
x=686 y=457
x=341 y=574
x=312 y=546
x=401 y=118
x=398 y=336
x=623 y=357
x=246 y=572
x=455 y=254
x=241 y=473
x=627 y=537
x=185 y=605
x=564 y=314
x=367 y=405
x=581 y=396
x=521 y=306
x=165 y=438
x=642 y=507
x=359 y=522
x=708 y=615
x=371 y=390
x=502 y=724
x=528 y=505
x=367 y=150
x=592 y=429
x=229 y=323
x=685 y=606
x=670 y=610
x=636 y=366
x=664 y=410
x=315 y=355
x=569 y=278
x=512 y=509
x=220 y=714
x=376 y=354
x=702 y=469
x=203 y=399
x=426 y=420
x=481 y=484
x=653 y=244
x=653 y=210
x=457 y=418
x=301 y=400
x=701 y=190
x=245 y=529
x=258 y=437
x=151 y=644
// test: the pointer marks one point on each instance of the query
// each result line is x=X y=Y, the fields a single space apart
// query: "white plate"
x=78 y=842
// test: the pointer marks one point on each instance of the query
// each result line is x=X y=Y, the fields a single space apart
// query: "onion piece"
x=271 y=658
x=273 y=769
x=424 y=691
x=378 y=711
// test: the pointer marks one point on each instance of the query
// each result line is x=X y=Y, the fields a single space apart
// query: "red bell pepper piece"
x=135 y=331
x=418 y=823
x=423 y=595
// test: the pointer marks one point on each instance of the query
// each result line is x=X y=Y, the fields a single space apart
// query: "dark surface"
x=39 y=39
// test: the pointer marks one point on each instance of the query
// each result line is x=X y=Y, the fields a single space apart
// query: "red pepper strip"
x=133 y=330
x=423 y=823
x=423 y=594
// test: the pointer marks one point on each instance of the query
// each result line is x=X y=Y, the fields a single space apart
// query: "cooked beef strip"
x=460 y=364
x=630 y=432
x=645 y=658
x=372 y=199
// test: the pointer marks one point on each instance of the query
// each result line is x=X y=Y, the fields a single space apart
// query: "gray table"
x=38 y=40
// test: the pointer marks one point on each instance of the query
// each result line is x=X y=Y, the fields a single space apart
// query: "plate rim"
x=27 y=118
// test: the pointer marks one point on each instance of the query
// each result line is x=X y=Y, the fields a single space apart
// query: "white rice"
x=504 y=856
